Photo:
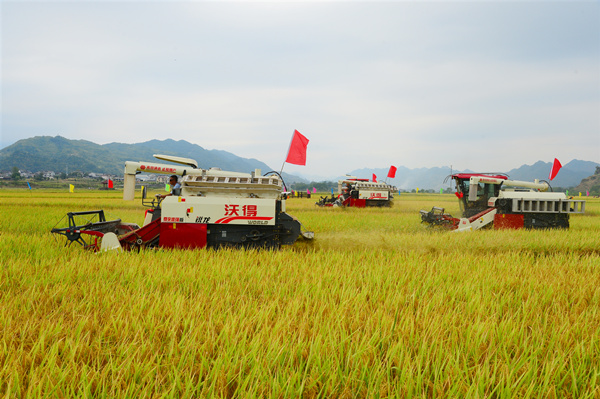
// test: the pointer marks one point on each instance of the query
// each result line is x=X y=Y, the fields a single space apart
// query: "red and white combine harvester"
x=360 y=193
x=214 y=208
x=494 y=200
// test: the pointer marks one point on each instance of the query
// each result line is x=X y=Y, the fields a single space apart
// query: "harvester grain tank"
x=494 y=200
x=360 y=193
x=214 y=208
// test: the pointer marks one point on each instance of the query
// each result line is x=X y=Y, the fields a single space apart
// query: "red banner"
x=392 y=172
x=297 y=152
x=555 y=168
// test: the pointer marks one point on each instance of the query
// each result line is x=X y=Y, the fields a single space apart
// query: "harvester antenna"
x=281 y=177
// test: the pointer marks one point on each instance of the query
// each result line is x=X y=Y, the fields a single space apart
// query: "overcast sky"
x=482 y=85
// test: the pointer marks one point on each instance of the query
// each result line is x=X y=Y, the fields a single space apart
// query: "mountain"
x=570 y=175
x=58 y=154
x=590 y=184
x=407 y=179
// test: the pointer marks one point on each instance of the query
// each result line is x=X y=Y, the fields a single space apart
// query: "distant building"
x=148 y=178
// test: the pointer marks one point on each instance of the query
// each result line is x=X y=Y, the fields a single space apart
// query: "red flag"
x=392 y=172
x=297 y=151
x=110 y=184
x=555 y=168
x=374 y=177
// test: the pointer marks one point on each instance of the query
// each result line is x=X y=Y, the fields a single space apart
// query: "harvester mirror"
x=144 y=192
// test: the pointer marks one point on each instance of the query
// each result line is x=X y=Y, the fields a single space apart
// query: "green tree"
x=15 y=175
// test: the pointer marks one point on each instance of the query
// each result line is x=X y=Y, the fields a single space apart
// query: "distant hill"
x=590 y=184
x=570 y=175
x=408 y=179
x=58 y=154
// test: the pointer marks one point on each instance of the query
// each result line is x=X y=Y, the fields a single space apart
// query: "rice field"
x=376 y=306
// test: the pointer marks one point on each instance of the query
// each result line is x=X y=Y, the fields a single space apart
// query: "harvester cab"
x=473 y=199
x=488 y=200
x=215 y=208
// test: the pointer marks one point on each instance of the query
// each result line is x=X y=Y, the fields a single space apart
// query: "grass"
x=376 y=306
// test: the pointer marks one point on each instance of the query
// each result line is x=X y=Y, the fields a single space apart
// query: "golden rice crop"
x=376 y=306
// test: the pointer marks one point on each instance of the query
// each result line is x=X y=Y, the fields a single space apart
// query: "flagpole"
x=282 y=165
x=289 y=146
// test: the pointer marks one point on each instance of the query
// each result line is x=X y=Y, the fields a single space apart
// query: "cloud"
x=371 y=84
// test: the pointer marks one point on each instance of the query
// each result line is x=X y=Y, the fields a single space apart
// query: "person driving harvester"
x=175 y=187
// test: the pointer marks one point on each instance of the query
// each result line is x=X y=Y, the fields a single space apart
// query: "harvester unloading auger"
x=360 y=193
x=214 y=208
x=494 y=200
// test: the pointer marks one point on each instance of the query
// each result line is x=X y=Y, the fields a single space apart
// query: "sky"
x=479 y=85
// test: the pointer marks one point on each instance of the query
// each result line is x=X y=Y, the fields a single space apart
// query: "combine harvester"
x=214 y=208
x=494 y=200
x=360 y=193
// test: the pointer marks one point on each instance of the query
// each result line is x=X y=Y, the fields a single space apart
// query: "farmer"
x=175 y=187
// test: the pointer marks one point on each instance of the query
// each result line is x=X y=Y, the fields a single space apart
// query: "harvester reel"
x=73 y=236
x=436 y=217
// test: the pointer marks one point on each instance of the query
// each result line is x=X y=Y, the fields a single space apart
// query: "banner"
x=110 y=184
x=555 y=168
x=29 y=185
x=297 y=152
x=374 y=177
x=392 y=172
x=71 y=188
x=168 y=187
x=314 y=190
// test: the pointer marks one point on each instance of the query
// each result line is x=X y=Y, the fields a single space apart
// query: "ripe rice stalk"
x=377 y=305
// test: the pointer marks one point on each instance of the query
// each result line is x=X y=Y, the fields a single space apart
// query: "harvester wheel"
x=255 y=235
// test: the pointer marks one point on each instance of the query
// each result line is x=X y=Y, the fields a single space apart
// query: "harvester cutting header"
x=494 y=200
x=212 y=208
